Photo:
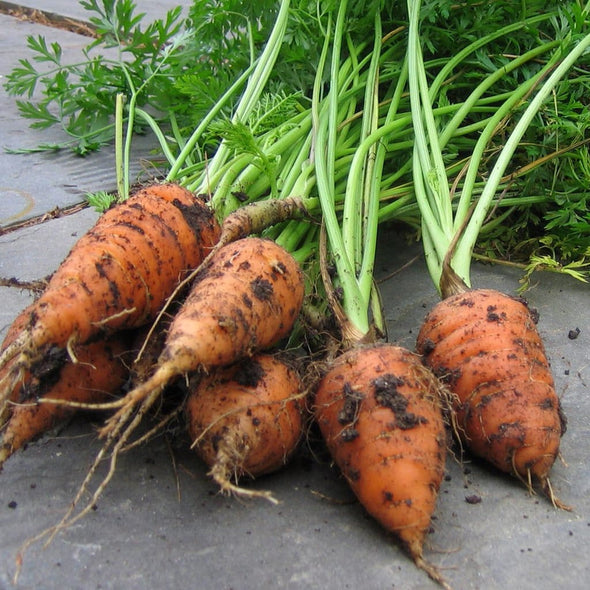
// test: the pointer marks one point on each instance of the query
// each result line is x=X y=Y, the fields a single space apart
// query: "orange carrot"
x=251 y=219
x=6 y=371
x=486 y=347
x=98 y=375
x=379 y=411
x=246 y=420
x=117 y=276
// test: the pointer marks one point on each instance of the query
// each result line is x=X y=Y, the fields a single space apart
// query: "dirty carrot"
x=248 y=220
x=380 y=413
x=484 y=344
x=117 y=276
x=99 y=375
x=377 y=406
x=245 y=299
x=486 y=347
x=245 y=420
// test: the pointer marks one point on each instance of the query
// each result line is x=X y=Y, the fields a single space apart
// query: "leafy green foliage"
x=161 y=61
x=101 y=200
x=80 y=96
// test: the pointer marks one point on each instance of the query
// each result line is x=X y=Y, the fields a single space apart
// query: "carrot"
x=379 y=411
x=5 y=372
x=117 y=276
x=30 y=379
x=251 y=219
x=483 y=343
x=486 y=347
x=98 y=375
x=246 y=420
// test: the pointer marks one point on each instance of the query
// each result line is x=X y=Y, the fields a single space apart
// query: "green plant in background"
x=453 y=216
x=124 y=58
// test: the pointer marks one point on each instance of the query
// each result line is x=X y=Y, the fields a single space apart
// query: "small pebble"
x=573 y=334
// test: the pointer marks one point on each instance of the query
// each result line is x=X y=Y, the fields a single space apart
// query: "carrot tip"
x=557 y=503
x=414 y=548
x=154 y=385
x=227 y=461
x=228 y=488
x=432 y=571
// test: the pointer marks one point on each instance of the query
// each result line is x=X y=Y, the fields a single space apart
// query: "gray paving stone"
x=31 y=252
x=35 y=183
x=152 y=9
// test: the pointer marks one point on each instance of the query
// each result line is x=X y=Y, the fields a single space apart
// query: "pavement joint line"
x=46 y=18
x=53 y=214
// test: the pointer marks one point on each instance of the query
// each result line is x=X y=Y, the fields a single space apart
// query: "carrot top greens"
x=452 y=218
x=247 y=101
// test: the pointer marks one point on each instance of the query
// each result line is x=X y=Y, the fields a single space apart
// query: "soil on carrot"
x=448 y=377
x=195 y=215
x=492 y=316
x=262 y=289
x=352 y=400
x=249 y=374
x=387 y=395
x=45 y=373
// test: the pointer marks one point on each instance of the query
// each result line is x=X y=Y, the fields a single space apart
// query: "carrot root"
x=432 y=571
x=251 y=219
x=380 y=413
x=116 y=441
x=246 y=420
x=117 y=276
x=54 y=392
x=557 y=503
x=485 y=346
x=153 y=387
x=229 y=455
x=13 y=364
x=247 y=299
x=416 y=553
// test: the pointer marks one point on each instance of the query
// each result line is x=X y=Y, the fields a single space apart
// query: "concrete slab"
x=32 y=253
x=161 y=523
x=33 y=184
x=152 y=9
x=20 y=258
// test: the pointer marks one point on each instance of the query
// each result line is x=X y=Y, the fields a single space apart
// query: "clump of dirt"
x=388 y=396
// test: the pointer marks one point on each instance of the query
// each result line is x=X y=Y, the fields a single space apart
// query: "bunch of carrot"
x=224 y=301
x=116 y=278
x=238 y=295
x=235 y=295
x=244 y=410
